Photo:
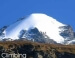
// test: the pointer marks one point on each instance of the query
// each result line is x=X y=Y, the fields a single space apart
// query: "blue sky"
x=62 y=10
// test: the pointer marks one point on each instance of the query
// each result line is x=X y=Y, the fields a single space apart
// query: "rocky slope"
x=36 y=36
x=67 y=33
x=37 y=50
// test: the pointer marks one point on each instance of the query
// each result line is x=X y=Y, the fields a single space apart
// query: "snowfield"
x=41 y=21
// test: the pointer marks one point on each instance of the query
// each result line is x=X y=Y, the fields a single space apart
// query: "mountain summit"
x=54 y=30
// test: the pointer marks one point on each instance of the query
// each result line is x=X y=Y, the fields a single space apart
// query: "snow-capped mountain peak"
x=43 y=23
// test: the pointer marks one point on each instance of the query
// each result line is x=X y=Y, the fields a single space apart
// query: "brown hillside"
x=32 y=47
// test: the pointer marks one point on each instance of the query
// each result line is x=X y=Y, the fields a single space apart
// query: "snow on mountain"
x=42 y=22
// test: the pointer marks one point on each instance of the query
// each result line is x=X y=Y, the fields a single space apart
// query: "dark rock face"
x=35 y=35
x=1 y=31
x=67 y=32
